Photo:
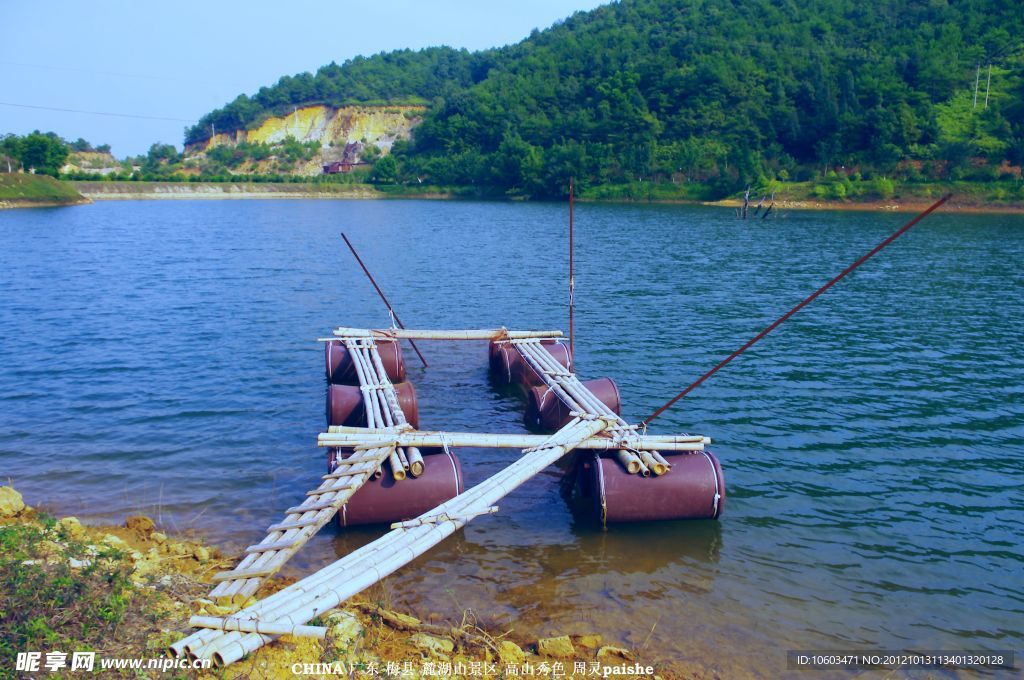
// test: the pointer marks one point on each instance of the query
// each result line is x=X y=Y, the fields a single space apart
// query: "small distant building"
x=336 y=167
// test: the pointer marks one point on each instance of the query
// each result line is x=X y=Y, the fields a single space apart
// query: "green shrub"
x=45 y=604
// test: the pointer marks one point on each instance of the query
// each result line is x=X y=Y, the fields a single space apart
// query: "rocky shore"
x=127 y=592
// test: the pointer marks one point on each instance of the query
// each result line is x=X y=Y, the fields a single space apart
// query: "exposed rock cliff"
x=335 y=129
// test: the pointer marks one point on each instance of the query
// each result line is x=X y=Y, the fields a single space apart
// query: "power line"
x=97 y=113
x=114 y=74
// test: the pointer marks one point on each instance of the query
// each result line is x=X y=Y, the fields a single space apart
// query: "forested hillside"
x=401 y=77
x=715 y=91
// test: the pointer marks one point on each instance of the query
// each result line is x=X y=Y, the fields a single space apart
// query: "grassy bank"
x=833 y=192
x=127 y=592
x=22 y=190
x=113 y=190
x=837 y=192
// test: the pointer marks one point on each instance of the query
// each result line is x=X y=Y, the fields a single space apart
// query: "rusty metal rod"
x=383 y=297
x=803 y=303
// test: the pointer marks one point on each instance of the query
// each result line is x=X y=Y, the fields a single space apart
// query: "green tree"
x=385 y=171
x=45 y=153
x=10 y=152
x=369 y=153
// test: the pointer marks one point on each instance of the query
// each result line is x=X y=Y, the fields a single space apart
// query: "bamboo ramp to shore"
x=390 y=440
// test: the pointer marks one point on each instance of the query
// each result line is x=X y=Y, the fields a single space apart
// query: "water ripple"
x=159 y=358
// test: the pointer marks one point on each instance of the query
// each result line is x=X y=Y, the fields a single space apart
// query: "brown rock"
x=141 y=525
x=114 y=542
x=435 y=646
x=608 y=650
x=510 y=653
x=398 y=621
x=72 y=526
x=589 y=641
x=344 y=629
x=555 y=646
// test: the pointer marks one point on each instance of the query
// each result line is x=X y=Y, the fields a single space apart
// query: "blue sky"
x=180 y=60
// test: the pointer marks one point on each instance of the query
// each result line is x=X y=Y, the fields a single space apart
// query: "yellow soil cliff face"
x=333 y=128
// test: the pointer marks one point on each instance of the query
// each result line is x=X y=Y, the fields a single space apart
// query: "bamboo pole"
x=391 y=310
x=371 y=382
x=555 y=386
x=628 y=461
x=416 y=464
x=397 y=470
x=574 y=386
x=542 y=362
x=803 y=303
x=339 y=489
x=653 y=464
x=406 y=334
x=505 y=441
x=661 y=459
x=403 y=458
x=500 y=440
x=273 y=606
x=371 y=419
x=334 y=584
x=389 y=392
x=254 y=626
x=389 y=405
x=552 y=373
x=385 y=405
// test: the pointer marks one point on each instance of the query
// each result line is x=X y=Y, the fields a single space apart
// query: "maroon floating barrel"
x=345 y=405
x=508 y=365
x=545 y=411
x=341 y=370
x=693 y=489
x=383 y=500
x=492 y=355
x=523 y=374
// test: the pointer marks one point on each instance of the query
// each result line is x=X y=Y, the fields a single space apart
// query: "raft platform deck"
x=389 y=439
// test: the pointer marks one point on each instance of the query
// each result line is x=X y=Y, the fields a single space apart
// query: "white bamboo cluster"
x=409 y=334
x=343 y=436
x=631 y=451
x=302 y=522
x=389 y=437
x=380 y=401
x=294 y=606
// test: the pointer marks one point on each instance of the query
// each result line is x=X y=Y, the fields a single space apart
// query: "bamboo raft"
x=387 y=439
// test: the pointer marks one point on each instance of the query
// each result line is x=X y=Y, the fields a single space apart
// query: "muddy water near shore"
x=160 y=358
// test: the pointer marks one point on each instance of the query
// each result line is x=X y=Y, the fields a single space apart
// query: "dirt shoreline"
x=910 y=205
x=142 y=191
x=12 y=204
x=167 y=579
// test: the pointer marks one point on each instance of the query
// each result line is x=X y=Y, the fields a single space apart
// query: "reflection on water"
x=872 y=446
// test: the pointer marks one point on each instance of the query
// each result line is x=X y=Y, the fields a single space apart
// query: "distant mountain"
x=718 y=91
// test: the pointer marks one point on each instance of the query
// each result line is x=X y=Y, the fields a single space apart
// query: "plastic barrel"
x=341 y=370
x=508 y=365
x=345 y=405
x=545 y=411
x=693 y=489
x=382 y=501
x=523 y=374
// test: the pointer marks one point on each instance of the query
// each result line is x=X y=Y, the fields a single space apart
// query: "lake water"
x=161 y=358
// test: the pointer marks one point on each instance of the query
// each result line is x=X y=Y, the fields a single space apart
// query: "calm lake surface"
x=160 y=358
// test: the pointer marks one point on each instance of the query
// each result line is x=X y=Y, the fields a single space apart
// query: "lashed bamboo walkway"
x=390 y=438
